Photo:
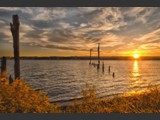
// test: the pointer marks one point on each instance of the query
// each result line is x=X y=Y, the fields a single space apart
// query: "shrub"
x=19 y=97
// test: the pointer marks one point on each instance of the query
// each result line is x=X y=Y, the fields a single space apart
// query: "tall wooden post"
x=98 y=56
x=103 y=67
x=3 y=65
x=15 y=33
x=90 y=56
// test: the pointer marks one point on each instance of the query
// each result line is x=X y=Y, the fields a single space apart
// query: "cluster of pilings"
x=14 y=27
x=94 y=64
x=98 y=64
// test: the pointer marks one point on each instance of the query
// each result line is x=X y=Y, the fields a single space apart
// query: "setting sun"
x=136 y=56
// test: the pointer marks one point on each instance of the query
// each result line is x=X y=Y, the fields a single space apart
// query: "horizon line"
x=81 y=56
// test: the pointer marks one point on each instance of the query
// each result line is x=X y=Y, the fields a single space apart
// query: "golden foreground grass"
x=19 y=97
x=148 y=102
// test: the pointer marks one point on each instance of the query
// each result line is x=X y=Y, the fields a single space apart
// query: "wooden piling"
x=14 y=27
x=90 y=57
x=3 y=65
x=109 y=69
x=113 y=75
x=10 y=79
x=98 y=66
x=103 y=67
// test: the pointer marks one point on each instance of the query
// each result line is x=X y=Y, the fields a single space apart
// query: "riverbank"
x=145 y=102
x=18 y=97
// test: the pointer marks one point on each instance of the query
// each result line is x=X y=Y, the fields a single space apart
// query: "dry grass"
x=19 y=97
x=147 y=102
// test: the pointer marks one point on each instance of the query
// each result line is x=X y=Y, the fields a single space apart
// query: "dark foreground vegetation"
x=18 y=97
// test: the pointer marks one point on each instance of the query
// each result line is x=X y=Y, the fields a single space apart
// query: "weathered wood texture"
x=98 y=56
x=3 y=64
x=15 y=33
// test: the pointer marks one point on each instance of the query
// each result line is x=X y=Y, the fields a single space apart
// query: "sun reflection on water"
x=135 y=92
x=135 y=81
x=135 y=70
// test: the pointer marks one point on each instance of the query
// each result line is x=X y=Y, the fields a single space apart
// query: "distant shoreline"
x=88 y=58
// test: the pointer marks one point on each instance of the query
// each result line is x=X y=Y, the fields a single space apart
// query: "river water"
x=63 y=80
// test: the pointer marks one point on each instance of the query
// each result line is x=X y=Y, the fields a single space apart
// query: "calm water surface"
x=62 y=80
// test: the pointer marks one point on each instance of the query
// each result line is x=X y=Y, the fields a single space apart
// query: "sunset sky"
x=73 y=31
